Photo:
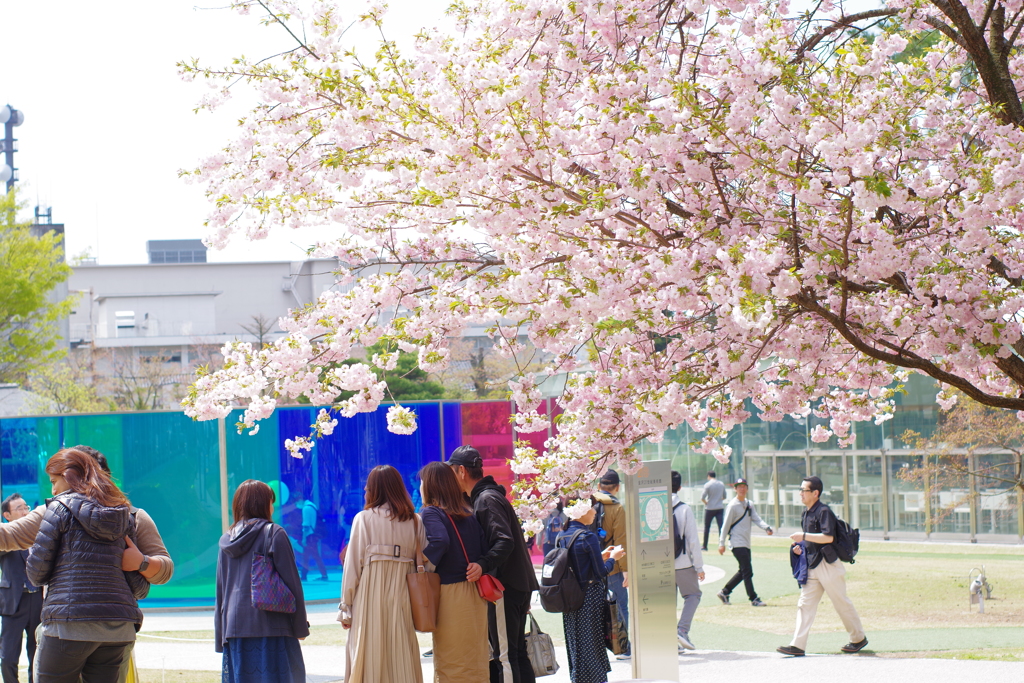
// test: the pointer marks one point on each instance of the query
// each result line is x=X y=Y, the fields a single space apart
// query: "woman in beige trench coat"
x=375 y=607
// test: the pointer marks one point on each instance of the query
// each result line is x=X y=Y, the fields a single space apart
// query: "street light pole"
x=11 y=118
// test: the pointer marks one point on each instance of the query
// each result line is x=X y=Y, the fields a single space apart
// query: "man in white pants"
x=825 y=573
x=689 y=563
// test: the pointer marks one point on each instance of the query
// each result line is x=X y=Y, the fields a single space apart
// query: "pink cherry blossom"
x=686 y=206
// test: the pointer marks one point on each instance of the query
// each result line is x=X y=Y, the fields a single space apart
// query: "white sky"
x=108 y=122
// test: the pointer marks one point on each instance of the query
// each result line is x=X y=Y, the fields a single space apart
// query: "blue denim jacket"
x=585 y=553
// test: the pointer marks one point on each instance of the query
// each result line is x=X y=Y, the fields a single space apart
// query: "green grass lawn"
x=912 y=599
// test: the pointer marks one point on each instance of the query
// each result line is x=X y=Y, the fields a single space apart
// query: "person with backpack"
x=610 y=526
x=825 y=573
x=689 y=562
x=584 y=627
x=740 y=518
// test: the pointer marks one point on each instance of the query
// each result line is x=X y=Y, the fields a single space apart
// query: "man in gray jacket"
x=689 y=563
x=713 y=498
x=740 y=517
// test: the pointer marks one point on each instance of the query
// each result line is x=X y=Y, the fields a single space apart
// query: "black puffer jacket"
x=78 y=555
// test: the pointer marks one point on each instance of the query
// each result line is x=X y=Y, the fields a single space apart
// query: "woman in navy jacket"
x=258 y=646
x=455 y=542
x=584 y=628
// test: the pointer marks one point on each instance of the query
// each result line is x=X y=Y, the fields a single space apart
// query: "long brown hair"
x=83 y=475
x=384 y=487
x=252 y=501
x=441 y=489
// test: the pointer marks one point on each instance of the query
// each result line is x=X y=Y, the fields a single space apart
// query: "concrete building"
x=163 y=319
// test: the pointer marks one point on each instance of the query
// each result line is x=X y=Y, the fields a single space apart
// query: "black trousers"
x=709 y=515
x=745 y=574
x=25 y=619
x=68 y=661
x=506 y=630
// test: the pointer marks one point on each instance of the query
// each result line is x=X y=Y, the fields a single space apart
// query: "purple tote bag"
x=269 y=593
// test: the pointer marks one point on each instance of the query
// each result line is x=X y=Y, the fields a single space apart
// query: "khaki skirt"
x=460 y=640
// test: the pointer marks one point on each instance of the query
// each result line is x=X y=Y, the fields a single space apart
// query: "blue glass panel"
x=26 y=444
x=452 y=426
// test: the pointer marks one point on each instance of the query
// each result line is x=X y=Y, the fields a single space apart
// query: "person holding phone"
x=584 y=628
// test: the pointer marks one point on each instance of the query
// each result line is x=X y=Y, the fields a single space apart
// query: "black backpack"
x=680 y=542
x=846 y=541
x=560 y=589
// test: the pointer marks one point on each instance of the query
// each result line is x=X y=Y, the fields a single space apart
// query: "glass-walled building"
x=871 y=484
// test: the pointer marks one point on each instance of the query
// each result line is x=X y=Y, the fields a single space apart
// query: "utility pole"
x=11 y=118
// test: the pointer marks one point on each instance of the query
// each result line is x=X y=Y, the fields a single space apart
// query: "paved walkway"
x=326 y=664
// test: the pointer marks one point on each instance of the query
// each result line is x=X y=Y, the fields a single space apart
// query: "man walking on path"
x=689 y=563
x=507 y=559
x=740 y=517
x=713 y=498
x=21 y=603
x=825 y=573
x=613 y=522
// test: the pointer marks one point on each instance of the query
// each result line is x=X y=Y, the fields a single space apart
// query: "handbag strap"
x=459 y=536
x=268 y=545
x=419 y=559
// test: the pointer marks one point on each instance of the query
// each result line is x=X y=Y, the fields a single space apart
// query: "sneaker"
x=428 y=653
x=758 y=603
x=704 y=548
x=854 y=647
x=724 y=597
x=684 y=642
x=624 y=657
x=790 y=650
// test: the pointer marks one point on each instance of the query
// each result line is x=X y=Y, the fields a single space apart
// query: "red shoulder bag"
x=490 y=588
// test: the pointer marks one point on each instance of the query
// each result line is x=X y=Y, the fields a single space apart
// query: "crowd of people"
x=96 y=555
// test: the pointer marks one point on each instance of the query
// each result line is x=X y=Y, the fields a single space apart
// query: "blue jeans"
x=620 y=593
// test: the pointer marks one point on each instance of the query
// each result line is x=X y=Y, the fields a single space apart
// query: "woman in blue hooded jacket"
x=259 y=646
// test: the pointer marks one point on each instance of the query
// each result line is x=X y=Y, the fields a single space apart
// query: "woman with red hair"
x=90 y=612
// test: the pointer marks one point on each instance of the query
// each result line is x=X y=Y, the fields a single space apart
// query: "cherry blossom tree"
x=690 y=204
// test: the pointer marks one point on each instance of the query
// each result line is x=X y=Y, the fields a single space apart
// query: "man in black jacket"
x=21 y=603
x=507 y=559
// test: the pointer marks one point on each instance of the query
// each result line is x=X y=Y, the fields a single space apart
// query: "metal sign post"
x=652 y=585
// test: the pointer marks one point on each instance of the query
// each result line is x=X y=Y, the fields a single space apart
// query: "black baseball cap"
x=739 y=481
x=610 y=478
x=467 y=456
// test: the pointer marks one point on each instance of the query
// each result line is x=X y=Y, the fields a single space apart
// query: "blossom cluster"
x=692 y=207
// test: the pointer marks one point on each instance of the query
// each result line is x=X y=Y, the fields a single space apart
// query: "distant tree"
x=479 y=371
x=971 y=441
x=66 y=387
x=30 y=268
x=140 y=382
x=406 y=382
x=261 y=327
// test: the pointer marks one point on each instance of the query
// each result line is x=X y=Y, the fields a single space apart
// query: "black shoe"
x=704 y=548
x=756 y=602
x=854 y=647
x=792 y=650
x=428 y=653
x=724 y=597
